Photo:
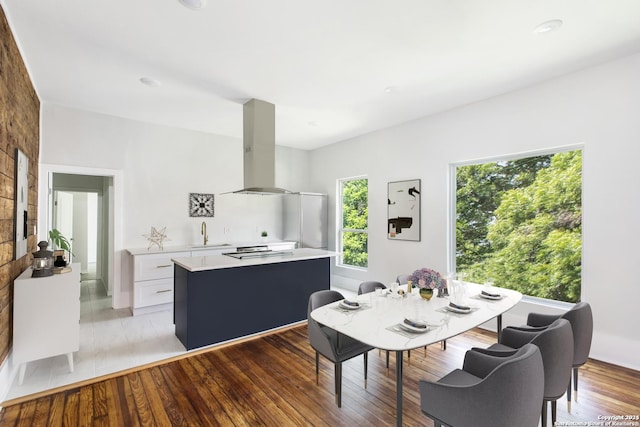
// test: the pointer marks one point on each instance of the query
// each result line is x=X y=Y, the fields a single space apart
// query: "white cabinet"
x=153 y=281
x=46 y=317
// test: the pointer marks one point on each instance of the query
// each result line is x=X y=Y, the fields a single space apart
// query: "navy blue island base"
x=218 y=305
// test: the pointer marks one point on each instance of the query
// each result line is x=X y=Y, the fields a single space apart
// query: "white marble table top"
x=214 y=262
x=374 y=322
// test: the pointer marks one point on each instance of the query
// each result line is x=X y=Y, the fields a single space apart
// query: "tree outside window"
x=354 y=218
x=519 y=223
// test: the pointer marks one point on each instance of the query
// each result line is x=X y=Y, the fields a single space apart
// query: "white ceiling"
x=325 y=64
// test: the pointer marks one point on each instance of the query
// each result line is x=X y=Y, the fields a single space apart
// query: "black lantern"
x=42 y=261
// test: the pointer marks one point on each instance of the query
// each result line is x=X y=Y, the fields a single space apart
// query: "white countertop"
x=214 y=262
x=183 y=248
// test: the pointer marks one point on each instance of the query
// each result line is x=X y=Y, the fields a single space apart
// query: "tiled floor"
x=110 y=341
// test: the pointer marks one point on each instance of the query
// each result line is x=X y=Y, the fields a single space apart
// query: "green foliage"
x=59 y=240
x=533 y=240
x=355 y=218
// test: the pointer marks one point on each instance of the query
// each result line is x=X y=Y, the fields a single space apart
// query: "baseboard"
x=7 y=375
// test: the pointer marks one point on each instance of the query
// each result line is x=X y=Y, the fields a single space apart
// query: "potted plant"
x=60 y=242
x=264 y=235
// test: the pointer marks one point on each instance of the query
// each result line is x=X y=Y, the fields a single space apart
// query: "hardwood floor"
x=271 y=381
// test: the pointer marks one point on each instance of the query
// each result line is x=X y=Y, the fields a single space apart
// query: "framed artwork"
x=403 y=210
x=200 y=204
x=21 y=203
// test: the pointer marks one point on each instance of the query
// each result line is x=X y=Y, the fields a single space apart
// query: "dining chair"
x=556 y=347
x=581 y=319
x=371 y=286
x=493 y=389
x=330 y=343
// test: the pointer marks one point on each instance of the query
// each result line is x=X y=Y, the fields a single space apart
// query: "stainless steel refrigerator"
x=305 y=219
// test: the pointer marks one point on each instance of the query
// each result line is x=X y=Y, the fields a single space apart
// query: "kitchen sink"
x=212 y=245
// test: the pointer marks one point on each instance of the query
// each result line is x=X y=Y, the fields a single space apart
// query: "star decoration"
x=156 y=237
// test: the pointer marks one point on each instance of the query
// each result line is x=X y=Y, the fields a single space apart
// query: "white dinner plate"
x=348 y=307
x=413 y=329
x=457 y=310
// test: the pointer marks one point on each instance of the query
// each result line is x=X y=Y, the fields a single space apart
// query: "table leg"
x=399 y=388
x=499 y=319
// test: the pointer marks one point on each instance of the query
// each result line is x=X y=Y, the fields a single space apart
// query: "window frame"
x=452 y=200
x=340 y=226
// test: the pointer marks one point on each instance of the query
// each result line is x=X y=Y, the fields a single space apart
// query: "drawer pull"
x=164 y=266
x=163 y=291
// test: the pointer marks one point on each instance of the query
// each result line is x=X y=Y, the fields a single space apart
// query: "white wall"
x=160 y=166
x=597 y=107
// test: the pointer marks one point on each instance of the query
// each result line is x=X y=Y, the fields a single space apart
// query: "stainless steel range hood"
x=259 y=141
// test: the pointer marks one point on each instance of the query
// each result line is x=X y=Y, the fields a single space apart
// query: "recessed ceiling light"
x=194 y=4
x=548 y=26
x=312 y=123
x=390 y=89
x=150 y=81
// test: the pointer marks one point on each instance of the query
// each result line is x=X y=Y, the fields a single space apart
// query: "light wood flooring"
x=270 y=381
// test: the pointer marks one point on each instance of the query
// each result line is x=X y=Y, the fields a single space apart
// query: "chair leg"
x=338 y=380
x=544 y=413
x=569 y=391
x=575 y=384
x=554 y=412
x=317 y=366
x=387 y=359
x=444 y=344
x=366 y=364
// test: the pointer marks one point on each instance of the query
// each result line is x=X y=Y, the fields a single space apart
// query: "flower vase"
x=426 y=293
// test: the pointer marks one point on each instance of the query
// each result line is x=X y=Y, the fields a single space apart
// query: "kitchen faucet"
x=203 y=231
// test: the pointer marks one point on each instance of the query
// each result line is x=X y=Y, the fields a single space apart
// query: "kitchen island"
x=219 y=298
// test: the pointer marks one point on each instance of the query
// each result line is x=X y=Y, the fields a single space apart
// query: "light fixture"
x=390 y=89
x=150 y=81
x=193 y=4
x=548 y=26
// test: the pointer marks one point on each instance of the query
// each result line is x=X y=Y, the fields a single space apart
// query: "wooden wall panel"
x=19 y=128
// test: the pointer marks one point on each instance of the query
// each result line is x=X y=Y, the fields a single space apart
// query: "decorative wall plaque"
x=21 y=204
x=200 y=204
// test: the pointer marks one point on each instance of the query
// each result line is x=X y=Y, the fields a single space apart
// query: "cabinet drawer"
x=155 y=266
x=153 y=292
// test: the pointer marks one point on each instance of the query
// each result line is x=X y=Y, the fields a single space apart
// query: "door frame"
x=120 y=296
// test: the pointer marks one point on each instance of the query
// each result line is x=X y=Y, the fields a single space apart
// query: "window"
x=353 y=219
x=519 y=223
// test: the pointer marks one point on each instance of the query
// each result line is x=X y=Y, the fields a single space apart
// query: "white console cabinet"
x=46 y=317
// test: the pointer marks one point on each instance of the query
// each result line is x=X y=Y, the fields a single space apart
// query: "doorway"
x=75 y=215
x=111 y=231
x=79 y=209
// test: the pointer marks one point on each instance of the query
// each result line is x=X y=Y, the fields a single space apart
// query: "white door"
x=63 y=215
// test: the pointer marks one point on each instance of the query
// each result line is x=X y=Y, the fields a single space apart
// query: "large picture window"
x=519 y=224
x=353 y=216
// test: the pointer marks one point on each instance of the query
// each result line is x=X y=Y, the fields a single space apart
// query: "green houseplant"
x=60 y=241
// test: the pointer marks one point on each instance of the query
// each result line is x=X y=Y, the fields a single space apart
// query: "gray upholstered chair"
x=498 y=389
x=370 y=286
x=556 y=347
x=366 y=287
x=330 y=343
x=581 y=319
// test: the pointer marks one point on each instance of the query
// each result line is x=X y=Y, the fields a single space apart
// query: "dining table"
x=378 y=318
